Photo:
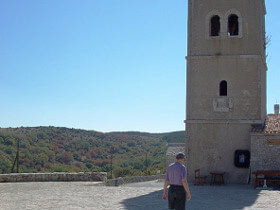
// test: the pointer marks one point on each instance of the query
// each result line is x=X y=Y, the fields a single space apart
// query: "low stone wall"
x=125 y=180
x=56 y=176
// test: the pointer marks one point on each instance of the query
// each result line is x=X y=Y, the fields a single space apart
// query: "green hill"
x=49 y=149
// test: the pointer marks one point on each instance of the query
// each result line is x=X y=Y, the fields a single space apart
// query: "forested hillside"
x=49 y=149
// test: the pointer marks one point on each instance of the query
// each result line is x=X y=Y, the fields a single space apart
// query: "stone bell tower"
x=226 y=84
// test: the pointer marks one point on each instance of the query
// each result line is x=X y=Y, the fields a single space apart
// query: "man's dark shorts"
x=176 y=197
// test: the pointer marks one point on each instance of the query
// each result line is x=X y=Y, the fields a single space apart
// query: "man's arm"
x=186 y=187
x=164 y=196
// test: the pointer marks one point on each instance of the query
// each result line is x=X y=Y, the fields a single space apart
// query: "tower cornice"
x=244 y=56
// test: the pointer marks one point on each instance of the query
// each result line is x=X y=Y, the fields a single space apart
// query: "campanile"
x=226 y=84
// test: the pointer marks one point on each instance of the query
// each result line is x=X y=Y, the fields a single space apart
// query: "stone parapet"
x=56 y=176
x=125 y=180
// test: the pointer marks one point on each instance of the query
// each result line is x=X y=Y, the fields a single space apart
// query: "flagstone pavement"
x=137 y=196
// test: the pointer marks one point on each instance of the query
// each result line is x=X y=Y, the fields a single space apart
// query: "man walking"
x=176 y=177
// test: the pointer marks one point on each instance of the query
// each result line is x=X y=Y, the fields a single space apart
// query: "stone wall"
x=125 y=180
x=172 y=150
x=57 y=176
x=264 y=152
x=211 y=147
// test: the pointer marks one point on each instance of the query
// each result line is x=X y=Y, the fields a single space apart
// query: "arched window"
x=233 y=26
x=223 y=88
x=215 y=26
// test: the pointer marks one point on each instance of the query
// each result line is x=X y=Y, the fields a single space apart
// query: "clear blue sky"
x=102 y=65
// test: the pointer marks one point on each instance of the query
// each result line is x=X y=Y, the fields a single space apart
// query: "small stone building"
x=172 y=150
x=265 y=143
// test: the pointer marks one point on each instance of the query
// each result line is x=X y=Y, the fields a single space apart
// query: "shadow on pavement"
x=151 y=201
x=203 y=197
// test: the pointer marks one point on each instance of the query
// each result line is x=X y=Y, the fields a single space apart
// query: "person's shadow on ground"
x=203 y=197
x=151 y=201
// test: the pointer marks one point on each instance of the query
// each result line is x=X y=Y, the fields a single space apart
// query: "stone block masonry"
x=133 y=179
x=172 y=150
x=264 y=153
x=56 y=176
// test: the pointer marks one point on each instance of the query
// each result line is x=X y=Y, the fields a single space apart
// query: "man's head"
x=180 y=156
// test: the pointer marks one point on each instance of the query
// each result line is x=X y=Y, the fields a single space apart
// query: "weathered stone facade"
x=265 y=144
x=57 y=176
x=226 y=83
x=264 y=155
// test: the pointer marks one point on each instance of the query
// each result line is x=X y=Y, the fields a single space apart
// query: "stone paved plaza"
x=145 y=195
